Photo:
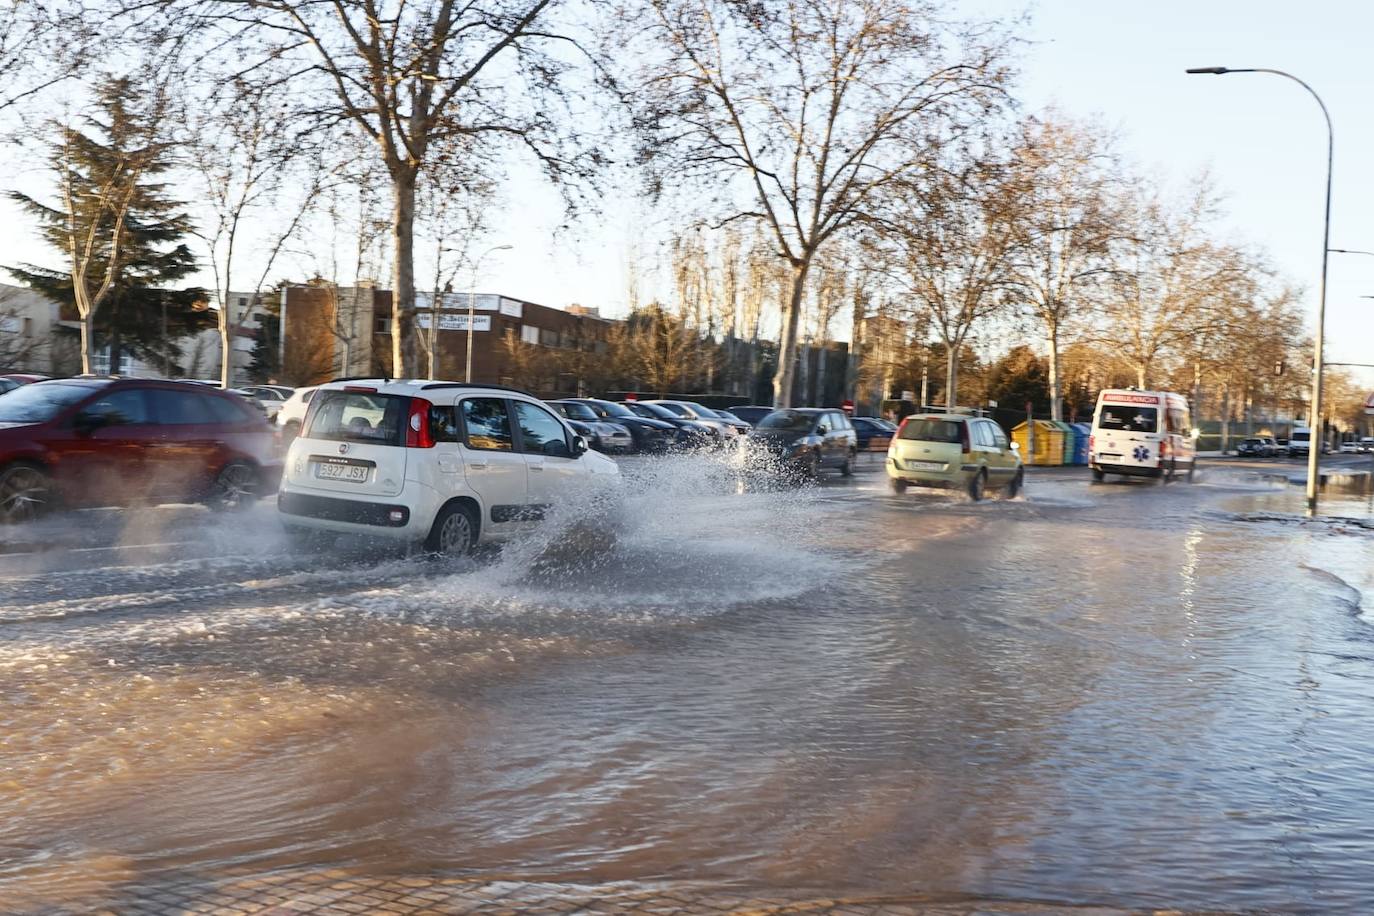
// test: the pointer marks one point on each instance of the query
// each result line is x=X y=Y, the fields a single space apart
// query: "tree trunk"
x=403 y=264
x=951 y=374
x=1056 y=395
x=87 y=343
x=787 y=346
x=1140 y=371
x=226 y=349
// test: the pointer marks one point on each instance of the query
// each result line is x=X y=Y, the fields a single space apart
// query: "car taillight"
x=417 y=426
x=1092 y=445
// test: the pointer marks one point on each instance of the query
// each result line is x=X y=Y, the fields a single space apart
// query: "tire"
x=847 y=469
x=235 y=488
x=1017 y=482
x=978 y=486
x=1099 y=475
x=813 y=466
x=1192 y=470
x=26 y=493
x=454 y=533
x=898 y=485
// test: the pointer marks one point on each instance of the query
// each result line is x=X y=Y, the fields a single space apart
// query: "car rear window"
x=931 y=430
x=1129 y=418
x=359 y=416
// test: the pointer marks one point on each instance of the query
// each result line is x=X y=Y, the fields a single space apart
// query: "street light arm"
x=1316 y=419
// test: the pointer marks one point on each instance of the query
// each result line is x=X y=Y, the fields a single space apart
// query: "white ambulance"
x=1141 y=434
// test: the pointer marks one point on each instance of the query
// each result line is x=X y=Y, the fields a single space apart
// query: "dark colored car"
x=751 y=413
x=690 y=433
x=808 y=438
x=650 y=435
x=1255 y=448
x=100 y=442
x=871 y=433
x=741 y=427
x=605 y=436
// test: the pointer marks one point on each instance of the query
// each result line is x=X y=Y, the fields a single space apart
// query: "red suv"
x=101 y=442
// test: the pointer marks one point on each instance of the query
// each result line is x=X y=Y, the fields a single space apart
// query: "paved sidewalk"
x=340 y=892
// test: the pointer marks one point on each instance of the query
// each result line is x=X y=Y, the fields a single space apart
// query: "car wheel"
x=898 y=485
x=813 y=466
x=454 y=532
x=978 y=485
x=235 y=487
x=847 y=469
x=26 y=492
x=1099 y=475
x=1017 y=482
x=1192 y=470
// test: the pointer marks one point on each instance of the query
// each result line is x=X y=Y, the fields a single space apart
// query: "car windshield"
x=1128 y=417
x=788 y=420
x=1302 y=436
x=926 y=430
x=613 y=409
x=727 y=415
x=40 y=403
x=702 y=410
x=676 y=410
x=575 y=411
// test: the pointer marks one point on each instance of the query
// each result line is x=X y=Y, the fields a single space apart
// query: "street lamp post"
x=472 y=303
x=1313 y=452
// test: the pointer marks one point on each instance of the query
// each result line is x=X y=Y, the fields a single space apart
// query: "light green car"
x=954 y=451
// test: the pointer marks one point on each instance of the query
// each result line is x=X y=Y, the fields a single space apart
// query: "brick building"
x=329 y=331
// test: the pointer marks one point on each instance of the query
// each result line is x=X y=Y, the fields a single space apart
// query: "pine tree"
x=120 y=233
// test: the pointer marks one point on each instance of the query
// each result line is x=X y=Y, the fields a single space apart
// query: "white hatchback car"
x=439 y=464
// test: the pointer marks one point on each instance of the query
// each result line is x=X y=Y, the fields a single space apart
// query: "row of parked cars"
x=106 y=441
x=1269 y=447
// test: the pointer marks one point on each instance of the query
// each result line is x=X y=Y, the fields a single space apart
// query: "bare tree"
x=426 y=80
x=1169 y=279
x=246 y=145
x=807 y=110
x=948 y=250
x=1063 y=221
x=41 y=45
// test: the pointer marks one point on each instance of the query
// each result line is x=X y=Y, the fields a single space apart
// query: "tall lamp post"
x=1314 y=450
x=472 y=302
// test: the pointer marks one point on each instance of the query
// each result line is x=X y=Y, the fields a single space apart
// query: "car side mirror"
x=579 y=446
x=822 y=429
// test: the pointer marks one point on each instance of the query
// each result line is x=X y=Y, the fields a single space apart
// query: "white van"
x=439 y=464
x=1299 y=442
x=1141 y=434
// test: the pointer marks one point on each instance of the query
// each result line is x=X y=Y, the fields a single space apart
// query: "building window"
x=548 y=338
x=381 y=325
x=529 y=333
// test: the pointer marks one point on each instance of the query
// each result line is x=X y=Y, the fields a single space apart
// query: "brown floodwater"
x=1124 y=694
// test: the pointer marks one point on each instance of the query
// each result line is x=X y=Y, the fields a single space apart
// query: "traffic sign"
x=847 y=406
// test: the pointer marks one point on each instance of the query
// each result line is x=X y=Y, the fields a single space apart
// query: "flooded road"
x=1123 y=694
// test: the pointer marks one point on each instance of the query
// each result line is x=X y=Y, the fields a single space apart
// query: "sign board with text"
x=451 y=322
x=480 y=303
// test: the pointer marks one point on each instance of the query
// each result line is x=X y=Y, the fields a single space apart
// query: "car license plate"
x=924 y=466
x=354 y=473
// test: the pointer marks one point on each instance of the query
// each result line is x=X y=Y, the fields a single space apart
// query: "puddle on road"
x=1119 y=694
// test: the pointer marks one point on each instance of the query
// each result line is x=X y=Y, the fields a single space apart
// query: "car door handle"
x=535 y=464
x=478 y=463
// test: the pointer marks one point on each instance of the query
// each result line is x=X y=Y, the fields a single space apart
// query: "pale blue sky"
x=1261 y=137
